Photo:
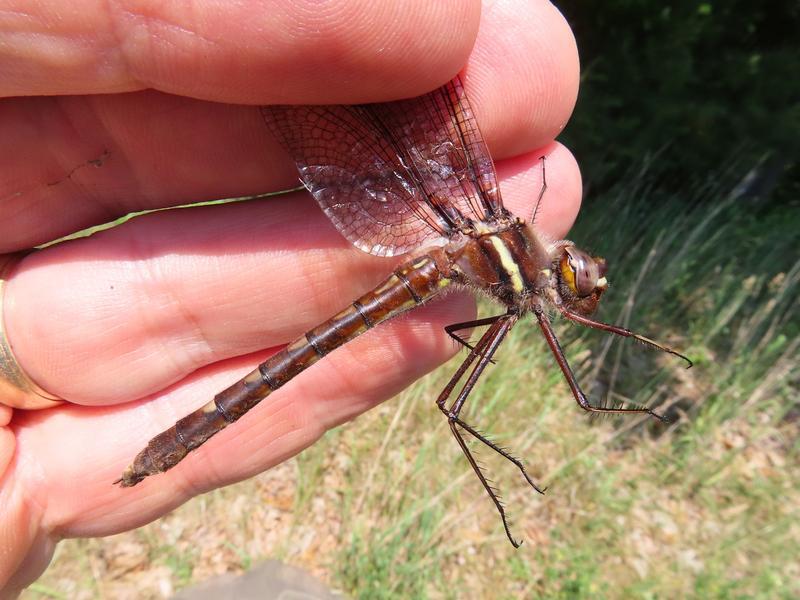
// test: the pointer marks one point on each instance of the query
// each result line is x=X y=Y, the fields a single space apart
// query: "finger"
x=244 y=52
x=80 y=161
x=171 y=292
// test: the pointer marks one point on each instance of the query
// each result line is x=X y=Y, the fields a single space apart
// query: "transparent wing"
x=395 y=176
x=356 y=177
x=439 y=138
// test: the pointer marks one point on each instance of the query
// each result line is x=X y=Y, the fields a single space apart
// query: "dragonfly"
x=415 y=177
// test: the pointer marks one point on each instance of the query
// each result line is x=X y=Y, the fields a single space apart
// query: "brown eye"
x=580 y=271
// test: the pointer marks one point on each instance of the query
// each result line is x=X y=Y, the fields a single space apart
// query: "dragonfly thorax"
x=516 y=267
x=511 y=264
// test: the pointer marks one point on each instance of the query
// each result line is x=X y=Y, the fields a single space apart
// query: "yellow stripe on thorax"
x=508 y=263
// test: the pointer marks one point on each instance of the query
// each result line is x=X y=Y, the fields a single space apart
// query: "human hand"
x=137 y=326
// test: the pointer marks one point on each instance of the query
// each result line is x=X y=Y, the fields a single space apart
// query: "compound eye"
x=580 y=271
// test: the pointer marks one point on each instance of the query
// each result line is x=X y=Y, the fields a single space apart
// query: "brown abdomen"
x=409 y=285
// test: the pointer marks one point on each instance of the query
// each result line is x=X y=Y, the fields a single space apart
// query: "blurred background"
x=687 y=130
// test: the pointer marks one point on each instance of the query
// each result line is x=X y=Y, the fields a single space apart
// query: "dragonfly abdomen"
x=408 y=286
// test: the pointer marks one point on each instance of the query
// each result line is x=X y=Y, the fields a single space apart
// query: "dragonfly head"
x=582 y=279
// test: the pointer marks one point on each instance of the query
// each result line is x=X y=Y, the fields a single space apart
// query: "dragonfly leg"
x=577 y=392
x=482 y=352
x=622 y=332
x=542 y=190
x=452 y=329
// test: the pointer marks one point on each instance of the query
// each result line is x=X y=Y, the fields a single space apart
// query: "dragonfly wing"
x=394 y=176
x=439 y=137
x=356 y=177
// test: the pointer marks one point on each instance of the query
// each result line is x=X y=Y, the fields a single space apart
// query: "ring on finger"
x=17 y=389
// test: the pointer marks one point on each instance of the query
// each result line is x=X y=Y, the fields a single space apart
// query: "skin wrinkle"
x=318 y=297
x=53 y=154
x=115 y=33
x=190 y=324
x=149 y=174
x=306 y=421
x=277 y=413
x=349 y=381
x=65 y=169
x=184 y=322
x=340 y=378
x=280 y=424
x=158 y=34
x=29 y=17
x=182 y=319
x=150 y=28
x=146 y=193
x=70 y=165
x=101 y=204
x=389 y=343
x=31 y=504
x=148 y=278
x=18 y=532
x=117 y=15
x=60 y=53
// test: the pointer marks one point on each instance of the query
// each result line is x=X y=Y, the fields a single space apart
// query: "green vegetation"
x=690 y=82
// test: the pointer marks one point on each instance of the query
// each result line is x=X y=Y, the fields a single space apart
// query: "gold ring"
x=17 y=389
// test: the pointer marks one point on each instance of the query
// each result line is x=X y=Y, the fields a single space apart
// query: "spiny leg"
x=485 y=352
x=622 y=332
x=473 y=354
x=451 y=329
x=577 y=392
x=482 y=351
x=502 y=452
x=493 y=494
